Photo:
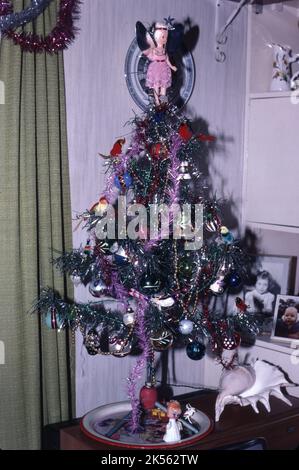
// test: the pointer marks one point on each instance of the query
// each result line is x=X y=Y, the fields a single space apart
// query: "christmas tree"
x=155 y=245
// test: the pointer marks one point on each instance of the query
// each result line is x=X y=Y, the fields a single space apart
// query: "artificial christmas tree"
x=157 y=246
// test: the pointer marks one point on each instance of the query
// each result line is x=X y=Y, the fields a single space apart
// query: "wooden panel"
x=279 y=427
x=272 y=188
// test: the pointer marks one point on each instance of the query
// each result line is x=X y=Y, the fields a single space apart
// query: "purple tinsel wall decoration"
x=140 y=365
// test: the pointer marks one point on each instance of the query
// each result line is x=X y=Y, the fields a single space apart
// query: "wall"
x=98 y=105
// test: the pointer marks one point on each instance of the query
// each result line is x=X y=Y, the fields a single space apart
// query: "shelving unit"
x=271 y=94
x=222 y=27
x=271 y=130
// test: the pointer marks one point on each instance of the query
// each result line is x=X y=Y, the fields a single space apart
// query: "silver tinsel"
x=15 y=20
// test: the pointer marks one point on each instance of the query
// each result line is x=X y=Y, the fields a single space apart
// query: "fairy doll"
x=154 y=44
x=173 y=427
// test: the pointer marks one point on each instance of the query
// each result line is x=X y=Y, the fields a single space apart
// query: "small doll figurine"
x=154 y=45
x=173 y=427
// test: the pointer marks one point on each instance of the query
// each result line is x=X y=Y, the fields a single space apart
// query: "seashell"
x=248 y=385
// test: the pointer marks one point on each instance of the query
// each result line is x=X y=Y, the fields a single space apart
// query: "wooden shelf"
x=279 y=228
x=274 y=345
x=271 y=94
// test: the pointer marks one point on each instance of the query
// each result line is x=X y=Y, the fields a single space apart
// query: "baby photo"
x=286 y=318
x=270 y=277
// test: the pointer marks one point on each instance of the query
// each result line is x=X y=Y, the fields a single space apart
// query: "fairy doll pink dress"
x=153 y=46
x=158 y=72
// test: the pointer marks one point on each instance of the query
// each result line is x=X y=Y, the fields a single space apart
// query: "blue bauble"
x=233 y=279
x=121 y=257
x=195 y=350
x=159 y=116
x=127 y=179
x=97 y=287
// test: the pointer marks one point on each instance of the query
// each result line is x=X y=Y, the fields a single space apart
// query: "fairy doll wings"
x=145 y=38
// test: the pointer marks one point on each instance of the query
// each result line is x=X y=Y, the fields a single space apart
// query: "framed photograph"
x=270 y=275
x=286 y=319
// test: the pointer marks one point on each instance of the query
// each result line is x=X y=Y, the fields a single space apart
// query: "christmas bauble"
x=195 y=350
x=219 y=284
x=231 y=341
x=217 y=287
x=233 y=279
x=129 y=317
x=92 y=342
x=87 y=248
x=119 y=347
x=159 y=116
x=121 y=256
x=125 y=351
x=123 y=181
x=148 y=396
x=186 y=266
x=97 y=287
x=53 y=320
x=162 y=340
x=186 y=326
x=212 y=222
x=184 y=173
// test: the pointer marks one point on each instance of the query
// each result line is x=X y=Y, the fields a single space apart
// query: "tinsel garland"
x=10 y=20
x=173 y=173
x=58 y=39
x=139 y=367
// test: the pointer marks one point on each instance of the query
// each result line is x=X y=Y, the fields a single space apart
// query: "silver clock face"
x=182 y=80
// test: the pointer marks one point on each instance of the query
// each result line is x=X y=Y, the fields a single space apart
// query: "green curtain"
x=35 y=220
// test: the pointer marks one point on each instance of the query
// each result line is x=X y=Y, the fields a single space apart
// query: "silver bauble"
x=129 y=317
x=184 y=171
x=186 y=326
x=97 y=287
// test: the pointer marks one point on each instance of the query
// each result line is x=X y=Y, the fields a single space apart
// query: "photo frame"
x=278 y=273
x=270 y=276
x=286 y=319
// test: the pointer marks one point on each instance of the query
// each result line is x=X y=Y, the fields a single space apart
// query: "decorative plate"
x=182 y=81
x=97 y=423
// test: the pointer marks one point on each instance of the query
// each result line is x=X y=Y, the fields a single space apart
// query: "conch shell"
x=247 y=385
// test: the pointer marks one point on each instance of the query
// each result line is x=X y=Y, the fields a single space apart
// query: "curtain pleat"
x=35 y=221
